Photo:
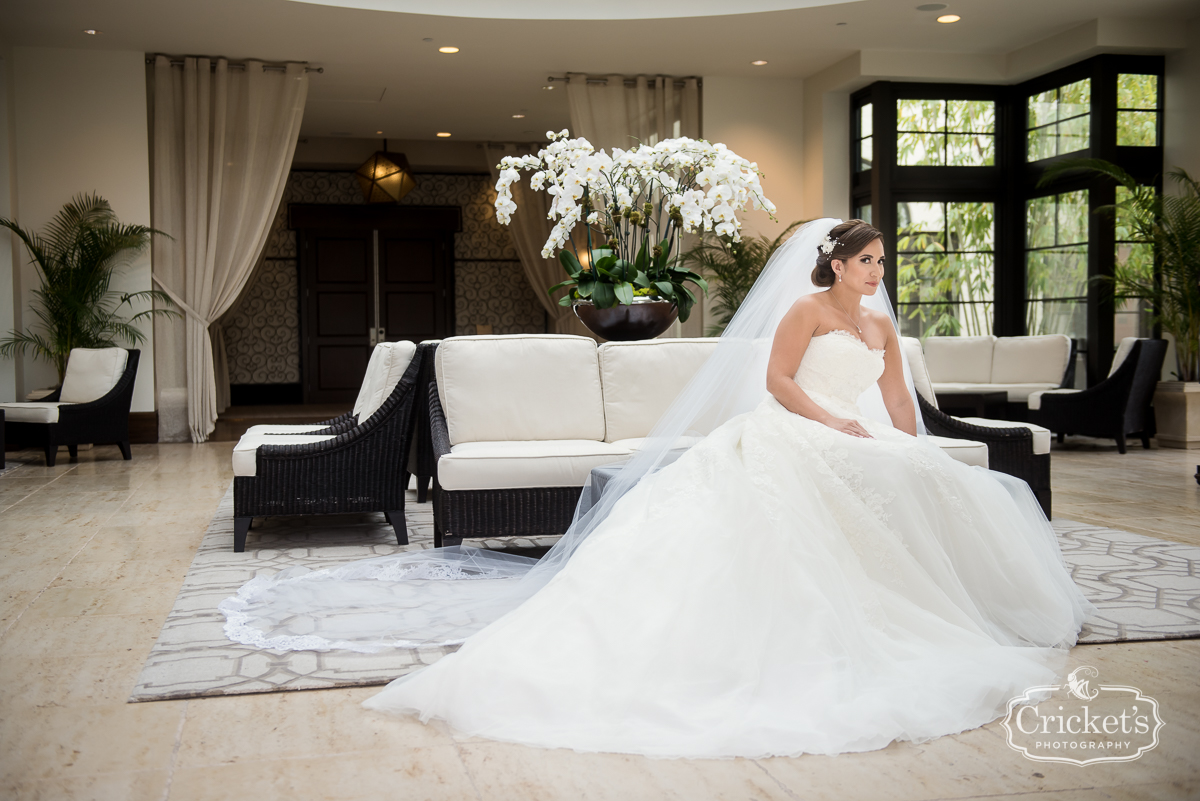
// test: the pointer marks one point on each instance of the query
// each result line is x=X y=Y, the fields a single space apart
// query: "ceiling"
x=383 y=71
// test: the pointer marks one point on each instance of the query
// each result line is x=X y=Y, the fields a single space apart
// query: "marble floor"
x=93 y=554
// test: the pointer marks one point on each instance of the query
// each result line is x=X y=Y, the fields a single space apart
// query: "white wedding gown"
x=782 y=588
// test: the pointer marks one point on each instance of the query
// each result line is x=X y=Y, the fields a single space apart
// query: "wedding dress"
x=780 y=588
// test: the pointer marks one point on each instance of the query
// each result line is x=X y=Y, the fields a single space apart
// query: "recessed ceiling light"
x=379 y=132
x=758 y=63
x=443 y=134
x=518 y=116
x=448 y=49
x=948 y=18
x=92 y=31
x=931 y=7
x=548 y=87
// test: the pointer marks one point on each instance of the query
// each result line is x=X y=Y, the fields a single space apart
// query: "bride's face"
x=863 y=272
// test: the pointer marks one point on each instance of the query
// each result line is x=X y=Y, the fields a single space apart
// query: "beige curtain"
x=613 y=114
x=529 y=230
x=223 y=145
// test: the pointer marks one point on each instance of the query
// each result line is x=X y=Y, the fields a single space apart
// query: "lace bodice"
x=840 y=366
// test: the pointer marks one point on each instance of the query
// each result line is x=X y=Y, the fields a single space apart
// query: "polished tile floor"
x=93 y=554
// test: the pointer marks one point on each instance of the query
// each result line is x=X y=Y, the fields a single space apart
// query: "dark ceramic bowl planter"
x=646 y=318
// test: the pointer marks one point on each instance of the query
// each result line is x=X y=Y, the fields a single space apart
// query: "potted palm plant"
x=77 y=256
x=1170 y=285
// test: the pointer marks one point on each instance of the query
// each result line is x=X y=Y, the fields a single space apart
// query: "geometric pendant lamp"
x=385 y=177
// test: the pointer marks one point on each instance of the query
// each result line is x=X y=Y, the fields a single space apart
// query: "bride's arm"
x=792 y=336
x=896 y=396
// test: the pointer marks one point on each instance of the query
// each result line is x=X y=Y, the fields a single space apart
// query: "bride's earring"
x=839 y=278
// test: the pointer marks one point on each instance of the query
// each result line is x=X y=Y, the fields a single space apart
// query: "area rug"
x=1144 y=589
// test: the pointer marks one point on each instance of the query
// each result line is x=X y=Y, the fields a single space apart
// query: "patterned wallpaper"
x=262 y=331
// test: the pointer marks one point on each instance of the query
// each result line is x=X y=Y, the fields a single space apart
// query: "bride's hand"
x=851 y=427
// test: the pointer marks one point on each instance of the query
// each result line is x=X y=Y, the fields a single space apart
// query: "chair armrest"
x=941 y=424
x=438 y=429
x=117 y=399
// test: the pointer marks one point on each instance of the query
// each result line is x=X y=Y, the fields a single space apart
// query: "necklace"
x=843 y=308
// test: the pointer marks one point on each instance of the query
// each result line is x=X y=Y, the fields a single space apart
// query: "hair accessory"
x=828 y=245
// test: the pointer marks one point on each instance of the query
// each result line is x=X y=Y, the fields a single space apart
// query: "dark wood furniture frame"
x=104 y=421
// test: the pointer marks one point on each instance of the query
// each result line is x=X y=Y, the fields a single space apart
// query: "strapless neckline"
x=843 y=332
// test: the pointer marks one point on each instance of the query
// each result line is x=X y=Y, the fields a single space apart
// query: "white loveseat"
x=519 y=422
x=1017 y=366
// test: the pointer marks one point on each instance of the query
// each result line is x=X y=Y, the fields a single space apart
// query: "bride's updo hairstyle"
x=849 y=239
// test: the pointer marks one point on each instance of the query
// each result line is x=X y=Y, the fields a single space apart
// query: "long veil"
x=443 y=595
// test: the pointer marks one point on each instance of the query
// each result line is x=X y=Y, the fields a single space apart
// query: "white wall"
x=8 y=367
x=761 y=119
x=79 y=125
x=1181 y=139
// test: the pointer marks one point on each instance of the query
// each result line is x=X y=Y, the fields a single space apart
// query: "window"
x=1137 y=110
x=951 y=133
x=1131 y=317
x=1059 y=121
x=865 y=139
x=945 y=267
x=1056 y=270
x=863 y=213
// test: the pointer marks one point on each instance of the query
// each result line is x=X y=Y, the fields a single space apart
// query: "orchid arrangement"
x=636 y=205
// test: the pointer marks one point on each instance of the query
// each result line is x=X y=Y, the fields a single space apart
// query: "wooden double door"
x=369 y=274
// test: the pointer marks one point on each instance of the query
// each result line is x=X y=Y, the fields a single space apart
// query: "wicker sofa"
x=518 y=423
x=1016 y=366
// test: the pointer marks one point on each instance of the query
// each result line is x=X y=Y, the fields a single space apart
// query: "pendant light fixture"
x=385 y=177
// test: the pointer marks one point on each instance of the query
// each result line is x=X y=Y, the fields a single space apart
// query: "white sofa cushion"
x=636 y=443
x=393 y=360
x=38 y=412
x=91 y=373
x=1123 y=349
x=1041 y=436
x=520 y=387
x=1030 y=360
x=959 y=359
x=524 y=463
x=244 y=462
x=1017 y=393
x=1035 y=398
x=641 y=379
x=920 y=372
x=963 y=450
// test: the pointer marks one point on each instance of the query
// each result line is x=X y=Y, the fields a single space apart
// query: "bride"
x=812 y=577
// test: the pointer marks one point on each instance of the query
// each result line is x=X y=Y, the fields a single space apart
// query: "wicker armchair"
x=103 y=421
x=422 y=463
x=530 y=511
x=355 y=468
x=1117 y=407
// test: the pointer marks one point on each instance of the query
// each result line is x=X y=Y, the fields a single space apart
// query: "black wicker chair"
x=422 y=463
x=1116 y=408
x=534 y=511
x=104 y=421
x=362 y=469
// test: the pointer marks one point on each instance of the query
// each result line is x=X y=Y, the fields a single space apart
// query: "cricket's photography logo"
x=1081 y=724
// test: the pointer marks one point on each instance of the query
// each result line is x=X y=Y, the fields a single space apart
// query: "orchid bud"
x=648 y=208
x=635 y=217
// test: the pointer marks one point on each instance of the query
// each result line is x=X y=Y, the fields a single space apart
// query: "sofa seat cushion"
x=39 y=412
x=966 y=359
x=91 y=373
x=963 y=450
x=389 y=360
x=1035 y=398
x=516 y=387
x=524 y=463
x=641 y=380
x=636 y=443
x=1031 y=360
x=1041 y=436
x=1017 y=393
x=244 y=462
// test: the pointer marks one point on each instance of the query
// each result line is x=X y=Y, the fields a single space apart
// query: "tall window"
x=865 y=148
x=951 y=133
x=1059 y=120
x=1137 y=110
x=1056 y=270
x=945 y=268
x=1131 y=316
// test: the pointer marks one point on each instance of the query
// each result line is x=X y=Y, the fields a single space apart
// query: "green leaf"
x=565 y=300
x=624 y=293
x=665 y=288
x=641 y=281
x=570 y=263
x=700 y=282
x=559 y=286
x=585 y=289
x=640 y=261
x=624 y=270
x=603 y=296
x=606 y=262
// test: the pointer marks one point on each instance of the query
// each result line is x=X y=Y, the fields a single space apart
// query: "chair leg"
x=51 y=450
x=126 y=453
x=73 y=451
x=1061 y=437
x=1120 y=443
x=422 y=489
x=1146 y=441
x=398 y=525
x=241 y=525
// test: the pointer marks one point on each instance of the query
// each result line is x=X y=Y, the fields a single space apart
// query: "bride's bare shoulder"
x=807 y=305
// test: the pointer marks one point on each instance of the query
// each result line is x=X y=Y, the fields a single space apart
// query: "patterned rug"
x=1145 y=589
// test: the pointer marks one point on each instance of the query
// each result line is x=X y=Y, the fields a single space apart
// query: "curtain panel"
x=612 y=114
x=223 y=146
